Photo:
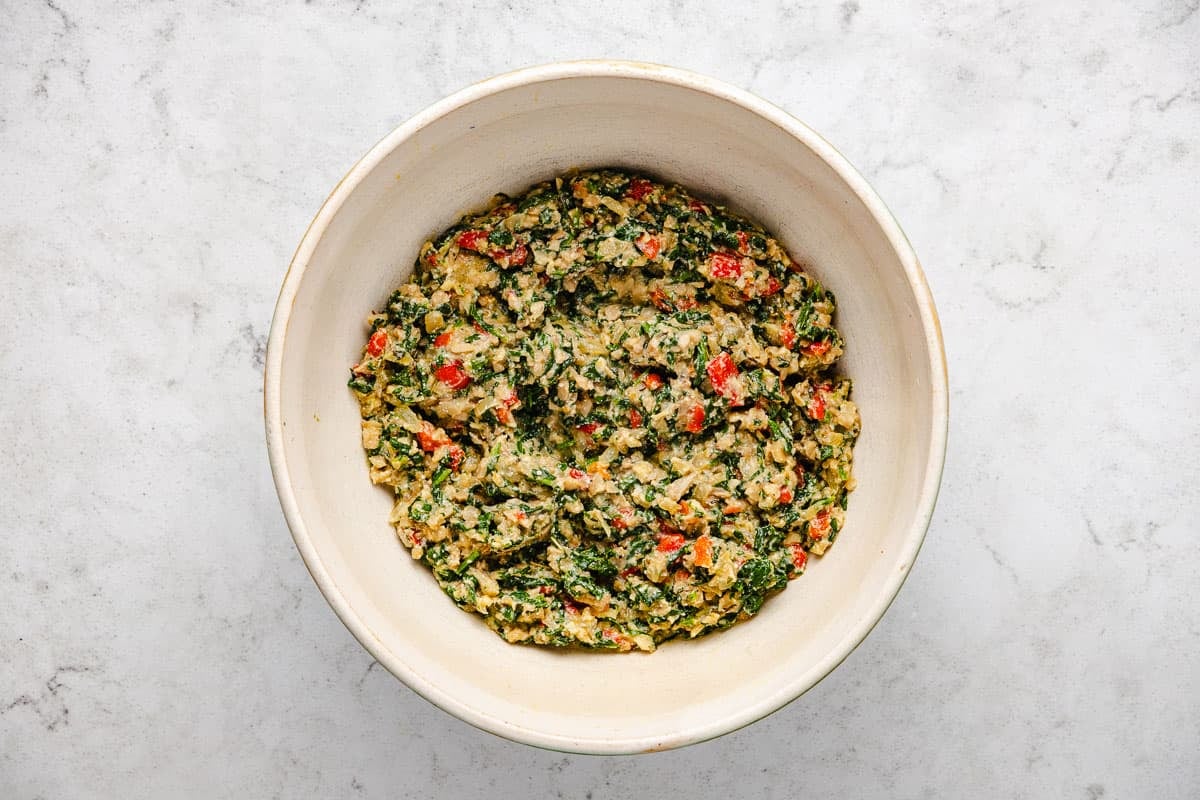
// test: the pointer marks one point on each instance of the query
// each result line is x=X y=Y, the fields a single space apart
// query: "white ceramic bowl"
x=501 y=136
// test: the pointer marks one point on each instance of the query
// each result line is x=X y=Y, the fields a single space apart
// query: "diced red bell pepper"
x=816 y=408
x=504 y=415
x=659 y=298
x=442 y=340
x=648 y=245
x=639 y=188
x=743 y=241
x=697 y=206
x=577 y=473
x=588 y=427
x=773 y=286
x=799 y=556
x=818 y=527
x=818 y=348
x=785 y=495
x=725 y=265
x=428 y=441
x=653 y=381
x=787 y=334
x=511 y=258
x=377 y=343
x=455 y=456
x=635 y=418
x=623 y=518
x=702 y=552
x=695 y=419
x=722 y=371
x=472 y=240
x=453 y=375
x=670 y=542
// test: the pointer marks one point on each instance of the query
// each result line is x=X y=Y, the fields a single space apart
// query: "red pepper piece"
x=639 y=188
x=819 y=348
x=799 y=557
x=743 y=241
x=721 y=371
x=816 y=408
x=621 y=521
x=670 y=542
x=377 y=343
x=653 y=381
x=472 y=240
x=511 y=258
x=788 y=335
x=725 y=265
x=635 y=418
x=818 y=527
x=648 y=244
x=453 y=375
x=429 y=442
x=695 y=419
x=588 y=427
x=442 y=340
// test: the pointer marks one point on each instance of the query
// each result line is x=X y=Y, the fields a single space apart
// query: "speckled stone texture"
x=159 y=635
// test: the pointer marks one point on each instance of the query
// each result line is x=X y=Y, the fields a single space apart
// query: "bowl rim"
x=934 y=351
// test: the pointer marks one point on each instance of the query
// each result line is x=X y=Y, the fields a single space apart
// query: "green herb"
x=500 y=237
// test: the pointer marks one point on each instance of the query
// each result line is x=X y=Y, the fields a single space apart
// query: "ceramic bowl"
x=502 y=135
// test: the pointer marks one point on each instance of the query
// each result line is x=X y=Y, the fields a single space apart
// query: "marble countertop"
x=159 y=635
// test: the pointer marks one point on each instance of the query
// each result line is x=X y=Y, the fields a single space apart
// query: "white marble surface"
x=159 y=636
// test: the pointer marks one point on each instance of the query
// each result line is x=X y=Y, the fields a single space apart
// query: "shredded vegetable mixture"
x=607 y=412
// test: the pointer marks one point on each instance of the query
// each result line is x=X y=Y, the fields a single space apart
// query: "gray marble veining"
x=160 y=637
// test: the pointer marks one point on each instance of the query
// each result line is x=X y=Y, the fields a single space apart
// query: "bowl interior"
x=413 y=186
